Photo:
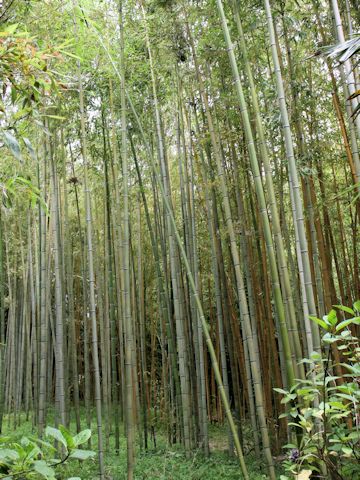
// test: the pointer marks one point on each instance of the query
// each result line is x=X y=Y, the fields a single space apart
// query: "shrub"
x=324 y=408
x=34 y=458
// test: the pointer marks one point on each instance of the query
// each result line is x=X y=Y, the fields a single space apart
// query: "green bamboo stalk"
x=43 y=299
x=2 y=325
x=275 y=219
x=205 y=330
x=128 y=327
x=261 y=199
x=294 y=180
x=90 y=255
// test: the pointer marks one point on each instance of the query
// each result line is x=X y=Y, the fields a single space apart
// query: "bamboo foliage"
x=178 y=196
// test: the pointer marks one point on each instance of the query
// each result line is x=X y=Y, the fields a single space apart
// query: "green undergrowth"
x=163 y=462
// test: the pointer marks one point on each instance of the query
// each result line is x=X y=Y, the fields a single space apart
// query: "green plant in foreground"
x=34 y=458
x=325 y=406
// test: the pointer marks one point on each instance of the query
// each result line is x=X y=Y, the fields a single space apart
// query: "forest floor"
x=162 y=462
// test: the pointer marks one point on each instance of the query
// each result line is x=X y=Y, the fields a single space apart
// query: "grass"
x=163 y=462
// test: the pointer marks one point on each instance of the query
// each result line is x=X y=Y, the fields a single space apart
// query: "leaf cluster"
x=25 y=75
x=34 y=458
x=324 y=408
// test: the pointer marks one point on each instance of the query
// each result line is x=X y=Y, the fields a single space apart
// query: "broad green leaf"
x=331 y=318
x=319 y=322
x=330 y=379
x=289 y=445
x=347 y=450
x=315 y=356
x=306 y=360
x=346 y=333
x=82 y=454
x=288 y=398
x=354 y=369
x=347 y=387
x=8 y=454
x=345 y=309
x=35 y=452
x=339 y=416
x=82 y=437
x=44 y=444
x=347 y=397
x=13 y=145
x=294 y=387
x=5 y=439
x=345 y=323
x=56 y=434
x=68 y=437
x=280 y=390
x=306 y=391
x=354 y=436
x=337 y=404
x=336 y=447
x=328 y=338
x=357 y=305
x=43 y=468
x=24 y=441
x=317 y=413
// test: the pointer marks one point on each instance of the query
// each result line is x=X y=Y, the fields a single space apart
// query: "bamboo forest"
x=179 y=239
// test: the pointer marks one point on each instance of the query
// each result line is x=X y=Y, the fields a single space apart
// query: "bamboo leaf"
x=10 y=30
x=55 y=117
x=30 y=148
x=13 y=145
x=69 y=54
